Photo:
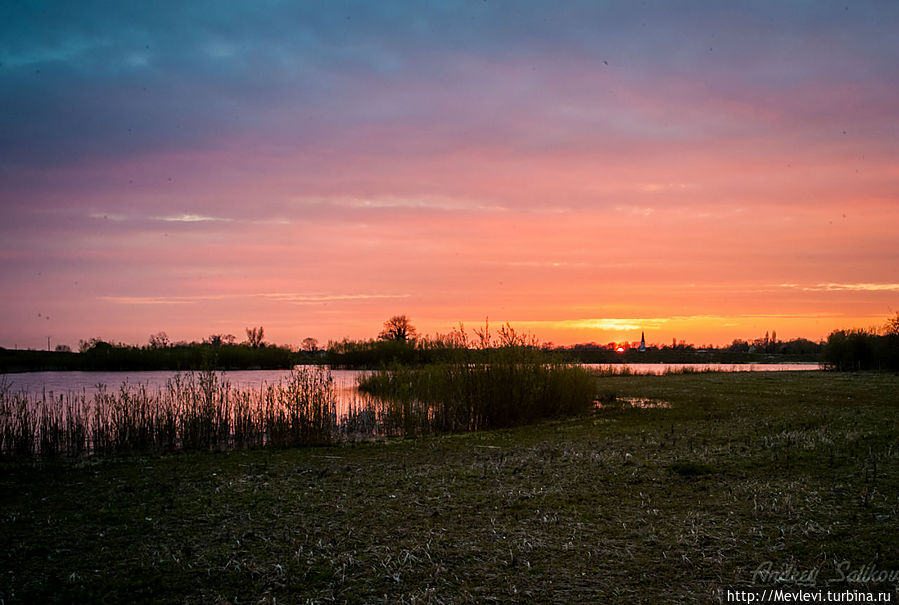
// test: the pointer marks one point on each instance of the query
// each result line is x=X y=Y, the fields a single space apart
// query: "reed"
x=302 y=411
x=682 y=370
x=613 y=369
x=476 y=390
x=505 y=387
x=195 y=411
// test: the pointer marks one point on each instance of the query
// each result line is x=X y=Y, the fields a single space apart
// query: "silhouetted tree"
x=310 y=345
x=255 y=336
x=892 y=325
x=217 y=340
x=86 y=345
x=399 y=328
x=739 y=346
x=160 y=340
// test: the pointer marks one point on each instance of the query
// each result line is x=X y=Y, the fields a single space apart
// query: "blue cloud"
x=101 y=80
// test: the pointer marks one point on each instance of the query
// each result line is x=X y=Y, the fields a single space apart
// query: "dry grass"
x=626 y=505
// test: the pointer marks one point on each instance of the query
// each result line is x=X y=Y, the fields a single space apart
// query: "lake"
x=661 y=368
x=68 y=412
x=345 y=380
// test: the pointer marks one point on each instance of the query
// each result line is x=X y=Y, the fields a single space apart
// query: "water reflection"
x=634 y=402
x=37 y=383
x=190 y=411
x=619 y=369
x=75 y=412
x=89 y=384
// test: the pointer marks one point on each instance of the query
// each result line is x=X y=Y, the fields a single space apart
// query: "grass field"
x=787 y=472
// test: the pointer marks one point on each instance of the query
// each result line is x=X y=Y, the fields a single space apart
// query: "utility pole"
x=48 y=343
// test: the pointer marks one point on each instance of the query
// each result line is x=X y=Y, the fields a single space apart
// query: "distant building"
x=642 y=341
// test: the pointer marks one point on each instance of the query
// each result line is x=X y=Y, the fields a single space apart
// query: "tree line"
x=860 y=349
x=217 y=352
x=398 y=342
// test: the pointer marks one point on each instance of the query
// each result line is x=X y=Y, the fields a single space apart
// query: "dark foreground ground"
x=744 y=478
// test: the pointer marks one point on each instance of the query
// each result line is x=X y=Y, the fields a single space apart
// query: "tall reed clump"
x=490 y=387
x=302 y=411
x=193 y=412
x=42 y=424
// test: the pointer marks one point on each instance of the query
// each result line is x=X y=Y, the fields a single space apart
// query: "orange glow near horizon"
x=562 y=273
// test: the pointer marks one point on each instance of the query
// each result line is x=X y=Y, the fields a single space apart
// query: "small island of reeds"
x=506 y=386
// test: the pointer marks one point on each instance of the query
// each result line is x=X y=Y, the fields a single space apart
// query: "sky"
x=585 y=170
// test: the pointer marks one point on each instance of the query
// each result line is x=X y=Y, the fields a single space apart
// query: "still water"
x=661 y=368
x=89 y=382
x=344 y=380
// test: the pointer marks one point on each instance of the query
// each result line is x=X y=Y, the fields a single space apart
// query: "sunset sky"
x=585 y=170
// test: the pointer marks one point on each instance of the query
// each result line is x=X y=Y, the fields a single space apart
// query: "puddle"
x=634 y=402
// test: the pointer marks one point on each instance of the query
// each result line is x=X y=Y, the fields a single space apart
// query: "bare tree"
x=255 y=336
x=160 y=340
x=91 y=343
x=310 y=345
x=892 y=325
x=398 y=327
x=86 y=345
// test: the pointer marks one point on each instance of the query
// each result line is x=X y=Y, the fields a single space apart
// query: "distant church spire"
x=642 y=341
